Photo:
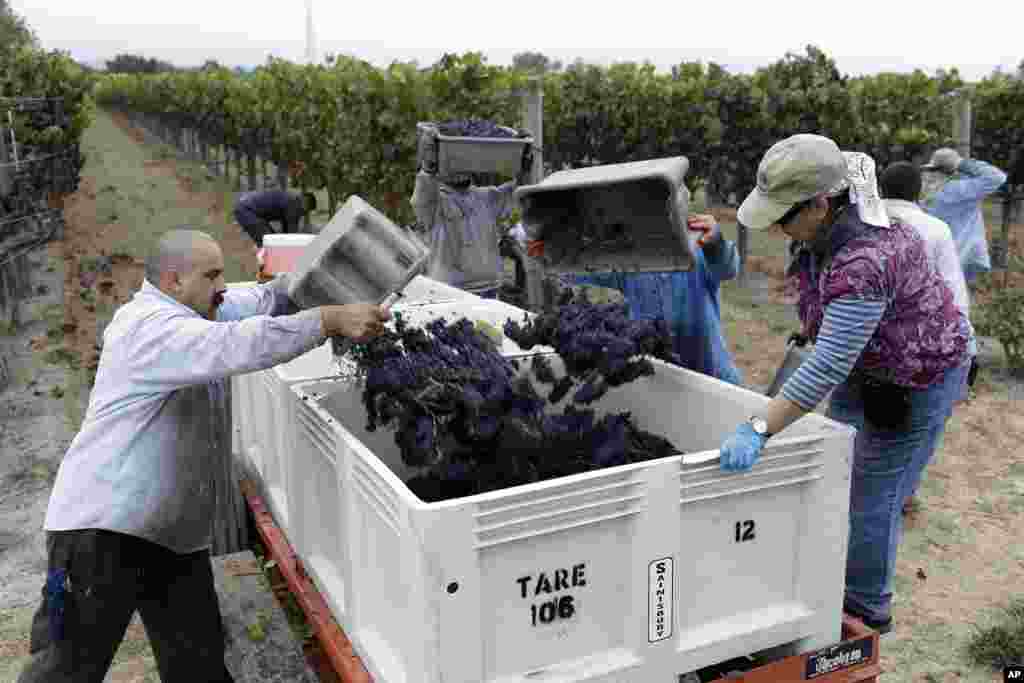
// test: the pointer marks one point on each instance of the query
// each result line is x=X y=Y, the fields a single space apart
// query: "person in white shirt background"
x=900 y=185
x=129 y=521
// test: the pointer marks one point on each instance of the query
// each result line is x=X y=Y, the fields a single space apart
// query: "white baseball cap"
x=792 y=171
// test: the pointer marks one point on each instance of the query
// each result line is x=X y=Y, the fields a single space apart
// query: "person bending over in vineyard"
x=901 y=187
x=130 y=517
x=255 y=211
x=461 y=225
x=688 y=301
x=890 y=344
x=953 y=190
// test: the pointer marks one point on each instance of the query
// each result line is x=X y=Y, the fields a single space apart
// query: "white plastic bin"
x=265 y=418
x=632 y=574
x=424 y=290
x=260 y=404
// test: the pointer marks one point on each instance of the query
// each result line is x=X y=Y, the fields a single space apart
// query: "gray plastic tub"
x=617 y=217
x=457 y=154
x=359 y=257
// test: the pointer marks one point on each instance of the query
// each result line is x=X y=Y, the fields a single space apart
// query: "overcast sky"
x=863 y=37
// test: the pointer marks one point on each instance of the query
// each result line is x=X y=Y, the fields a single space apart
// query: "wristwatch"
x=760 y=426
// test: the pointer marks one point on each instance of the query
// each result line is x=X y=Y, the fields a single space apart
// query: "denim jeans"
x=958 y=395
x=887 y=466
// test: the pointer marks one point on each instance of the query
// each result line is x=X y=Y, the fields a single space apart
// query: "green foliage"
x=1001 y=644
x=1004 y=319
x=137 y=64
x=30 y=72
x=998 y=106
x=353 y=125
x=535 y=62
x=14 y=32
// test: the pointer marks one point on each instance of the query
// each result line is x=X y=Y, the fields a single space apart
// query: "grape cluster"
x=600 y=346
x=475 y=419
x=476 y=128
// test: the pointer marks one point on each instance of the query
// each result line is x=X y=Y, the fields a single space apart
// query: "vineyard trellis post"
x=1001 y=248
x=533 y=120
x=282 y=175
x=5 y=174
x=962 y=120
x=743 y=247
x=251 y=165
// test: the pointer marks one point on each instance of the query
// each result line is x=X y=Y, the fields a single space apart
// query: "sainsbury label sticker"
x=659 y=585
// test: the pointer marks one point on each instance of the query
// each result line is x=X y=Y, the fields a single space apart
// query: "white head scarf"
x=862 y=182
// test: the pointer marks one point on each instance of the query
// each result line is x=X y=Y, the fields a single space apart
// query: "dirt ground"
x=961 y=555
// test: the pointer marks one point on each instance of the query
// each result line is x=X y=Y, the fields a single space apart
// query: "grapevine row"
x=353 y=125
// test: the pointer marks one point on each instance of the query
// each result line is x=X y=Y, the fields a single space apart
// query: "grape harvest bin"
x=259 y=399
x=632 y=574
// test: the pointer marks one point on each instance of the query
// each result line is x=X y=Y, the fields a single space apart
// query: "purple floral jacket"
x=922 y=333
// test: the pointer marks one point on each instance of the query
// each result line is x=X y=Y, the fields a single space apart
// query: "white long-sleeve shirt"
x=142 y=462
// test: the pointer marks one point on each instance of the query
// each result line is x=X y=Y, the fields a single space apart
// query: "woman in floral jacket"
x=890 y=344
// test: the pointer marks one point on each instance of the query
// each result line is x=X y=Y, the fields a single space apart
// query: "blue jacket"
x=690 y=303
x=958 y=204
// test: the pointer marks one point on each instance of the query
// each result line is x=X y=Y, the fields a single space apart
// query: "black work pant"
x=109 y=577
x=254 y=226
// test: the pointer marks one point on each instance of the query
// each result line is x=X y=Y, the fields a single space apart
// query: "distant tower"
x=310 y=39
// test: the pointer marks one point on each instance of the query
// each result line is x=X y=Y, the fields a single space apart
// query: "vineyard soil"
x=959 y=558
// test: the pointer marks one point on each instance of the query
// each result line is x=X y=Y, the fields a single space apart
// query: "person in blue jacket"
x=689 y=301
x=954 y=188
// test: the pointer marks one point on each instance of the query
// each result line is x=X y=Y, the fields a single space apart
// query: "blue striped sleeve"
x=848 y=325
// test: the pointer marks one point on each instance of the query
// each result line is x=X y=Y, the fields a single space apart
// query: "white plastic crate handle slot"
x=751 y=489
x=555 y=529
x=560 y=496
x=539 y=517
x=769 y=453
x=761 y=472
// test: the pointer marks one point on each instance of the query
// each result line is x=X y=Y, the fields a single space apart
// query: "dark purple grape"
x=461 y=410
x=475 y=128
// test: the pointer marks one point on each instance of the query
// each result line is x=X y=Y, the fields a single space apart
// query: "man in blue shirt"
x=689 y=301
x=953 y=191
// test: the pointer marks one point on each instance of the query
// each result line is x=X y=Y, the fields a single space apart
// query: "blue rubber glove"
x=741 y=450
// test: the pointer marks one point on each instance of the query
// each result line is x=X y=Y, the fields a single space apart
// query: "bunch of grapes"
x=476 y=128
x=475 y=419
x=600 y=346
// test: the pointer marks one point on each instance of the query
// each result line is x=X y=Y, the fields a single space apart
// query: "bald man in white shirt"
x=129 y=522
